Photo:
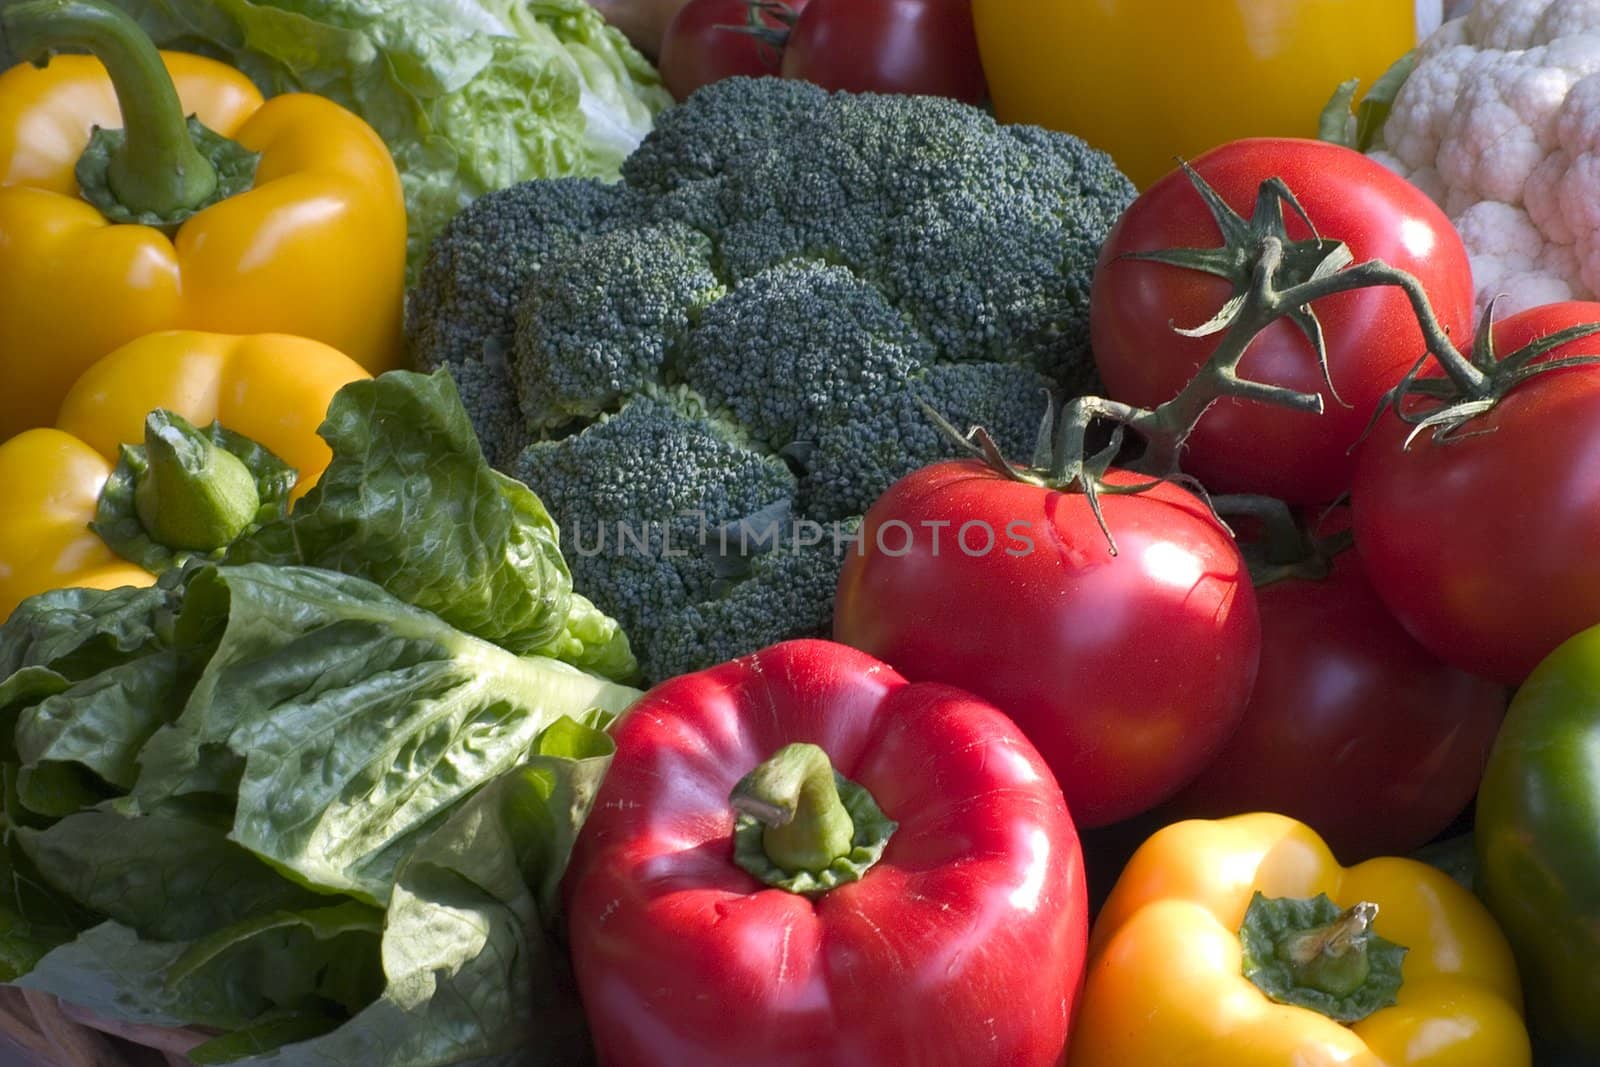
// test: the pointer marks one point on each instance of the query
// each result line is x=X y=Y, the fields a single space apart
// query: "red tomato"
x=1487 y=546
x=698 y=48
x=925 y=47
x=1243 y=446
x=1128 y=672
x=1353 y=727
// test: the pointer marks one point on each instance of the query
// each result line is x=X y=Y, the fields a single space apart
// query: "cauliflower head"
x=1500 y=124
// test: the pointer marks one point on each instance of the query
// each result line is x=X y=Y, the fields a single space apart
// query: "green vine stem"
x=1287 y=548
x=1274 y=277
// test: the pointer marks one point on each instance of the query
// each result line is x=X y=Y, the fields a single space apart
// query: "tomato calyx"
x=1061 y=460
x=757 y=26
x=1280 y=546
x=1445 y=406
x=1251 y=246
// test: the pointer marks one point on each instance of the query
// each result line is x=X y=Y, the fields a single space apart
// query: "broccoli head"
x=736 y=338
x=472 y=280
x=831 y=339
x=599 y=323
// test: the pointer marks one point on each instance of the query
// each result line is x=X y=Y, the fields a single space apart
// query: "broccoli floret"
x=832 y=340
x=602 y=320
x=787 y=593
x=476 y=270
x=742 y=329
x=489 y=395
x=851 y=464
x=985 y=236
x=642 y=497
x=698 y=142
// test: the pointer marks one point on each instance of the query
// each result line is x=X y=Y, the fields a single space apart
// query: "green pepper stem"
x=195 y=495
x=795 y=796
x=157 y=169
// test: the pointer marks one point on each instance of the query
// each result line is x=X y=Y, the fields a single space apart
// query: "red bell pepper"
x=923 y=905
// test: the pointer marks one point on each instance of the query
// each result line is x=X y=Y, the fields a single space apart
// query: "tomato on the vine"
x=1486 y=544
x=1372 y=337
x=1127 y=671
x=923 y=47
x=706 y=42
x=1352 y=728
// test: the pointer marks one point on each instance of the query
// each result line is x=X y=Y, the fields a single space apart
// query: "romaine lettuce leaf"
x=170 y=876
x=409 y=502
x=460 y=971
x=345 y=722
x=293 y=805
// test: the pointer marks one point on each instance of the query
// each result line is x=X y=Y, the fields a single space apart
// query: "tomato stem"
x=776 y=37
x=1257 y=256
x=1273 y=277
x=1468 y=378
x=1166 y=427
x=1287 y=548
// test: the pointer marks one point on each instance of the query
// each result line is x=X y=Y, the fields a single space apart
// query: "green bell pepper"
x=1538 y=842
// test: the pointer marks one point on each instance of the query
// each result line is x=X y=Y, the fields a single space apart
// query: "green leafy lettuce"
x=471 y=95
x=317 y=801
x=410 y=502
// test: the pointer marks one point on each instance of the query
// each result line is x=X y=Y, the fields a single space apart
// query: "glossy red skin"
x=1353 y=727
x=963 y=946
x=1243 y=446
x=697 y=48
x=1487 y=547
x=1128 y=672
x=925 y=47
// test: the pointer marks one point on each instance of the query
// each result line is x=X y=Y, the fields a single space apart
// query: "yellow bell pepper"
x=1166 y=983
x=1148 y=80
x=273 y=389
x=311 y=242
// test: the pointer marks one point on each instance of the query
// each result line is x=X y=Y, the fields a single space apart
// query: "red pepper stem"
x=795 y=796
x=158 y=168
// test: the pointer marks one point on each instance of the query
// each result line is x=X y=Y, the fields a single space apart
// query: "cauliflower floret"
x=1500 y=124
x=1511 y=258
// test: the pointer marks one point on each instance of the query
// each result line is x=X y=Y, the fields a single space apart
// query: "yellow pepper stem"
x=1333 y=958
x=1312 y=954
x=195 y=495
x=152 y=170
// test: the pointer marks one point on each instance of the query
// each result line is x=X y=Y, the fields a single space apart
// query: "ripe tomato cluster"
x=1131 y=644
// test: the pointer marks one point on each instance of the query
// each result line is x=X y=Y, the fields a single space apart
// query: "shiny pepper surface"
x=314 y=246
x=1166 y=985
x=1150 y=80
x=958 y=944
x=271 y=388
